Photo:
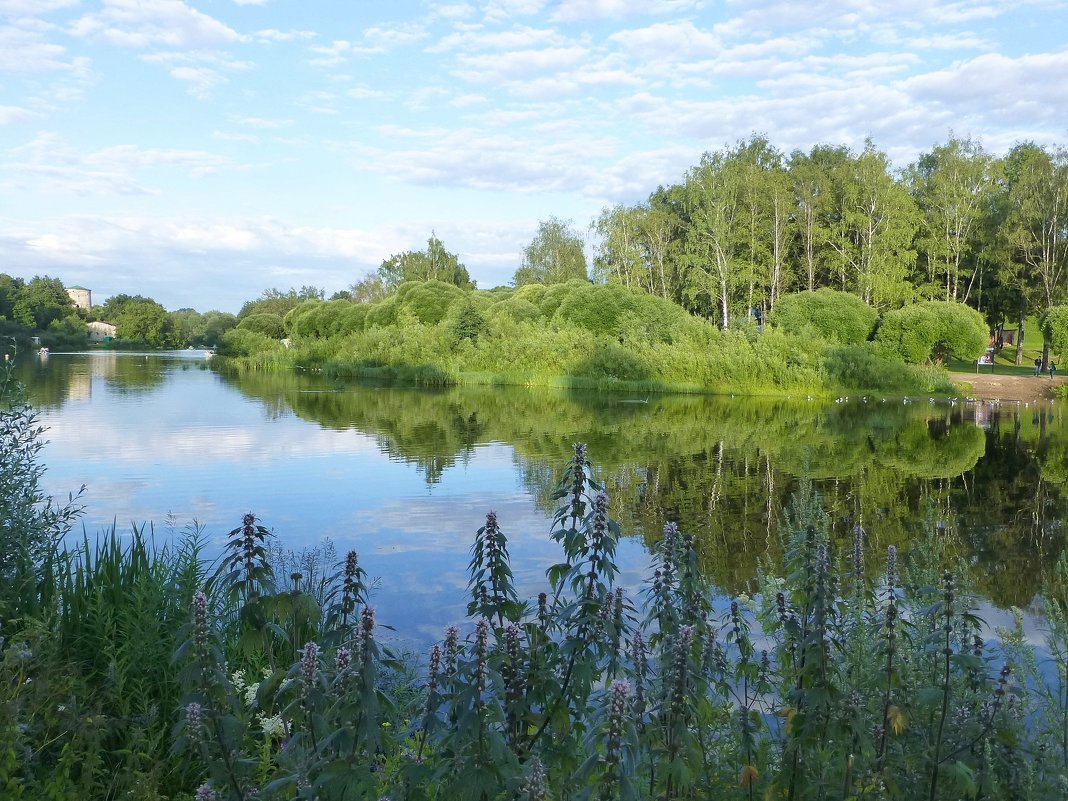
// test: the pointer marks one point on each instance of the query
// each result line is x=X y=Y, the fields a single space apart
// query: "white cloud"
x=142 y=23
x=13 y=114
x=496 y=161
x=230 y=136
x=270 y=35
x=578 y=10
x=26 y=51
x=364 y=92
x=200 y=70
x=33 y=8
x=518 y=38
x=498 y=10
x=672 y=41
x=518 y=64
x=382 y=38
x=263 y=122
x=53 y=165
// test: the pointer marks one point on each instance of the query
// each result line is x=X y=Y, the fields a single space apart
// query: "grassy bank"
x=697 y=359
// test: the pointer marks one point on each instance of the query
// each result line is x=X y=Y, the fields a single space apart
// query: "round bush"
x=270 y=325
x=836 y=316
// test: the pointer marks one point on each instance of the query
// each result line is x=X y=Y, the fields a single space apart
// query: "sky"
x=200 y=152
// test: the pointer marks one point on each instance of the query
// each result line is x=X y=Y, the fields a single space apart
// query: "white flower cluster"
x=245 y=687
x=273 y=727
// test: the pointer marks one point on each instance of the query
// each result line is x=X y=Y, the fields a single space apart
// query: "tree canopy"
x=433 y=264
x=555 y=255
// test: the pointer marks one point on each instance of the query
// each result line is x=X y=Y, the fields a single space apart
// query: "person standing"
x=1052 y=369
x=1038 y=366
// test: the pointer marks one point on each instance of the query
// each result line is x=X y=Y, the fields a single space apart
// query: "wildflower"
x=452 y=645
x=309 y=665
x=616 y=714
x=513 y=669
x=366 y=634
x=482 y=628
x=273 y=726
x=23 y=652
x=200 y=621
x=342 y=659
x=534 y=787
x=435 y=668
x=194 y=721
x=637 y=656
x=605 y=611
x=251 y=691
x=205 y=793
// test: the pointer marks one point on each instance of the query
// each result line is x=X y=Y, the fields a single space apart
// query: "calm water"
x=406 y=476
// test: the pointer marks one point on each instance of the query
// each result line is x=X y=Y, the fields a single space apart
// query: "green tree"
x=148 y=322
x=216 y=323
x=1055 y=329
x=766 y=208
x=110 y=309
x=369 y=289
x=713 y=235
x=635 y=248
x=813 y=183
x=1036 y=222
x=876 y=230
x=9 y=291
x=274 y=301
x=188 y=326
x=555 y=255
x=40 y=302
x=953 y=185
x=433 y=264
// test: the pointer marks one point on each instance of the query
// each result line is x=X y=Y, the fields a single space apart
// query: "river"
x=406 y=476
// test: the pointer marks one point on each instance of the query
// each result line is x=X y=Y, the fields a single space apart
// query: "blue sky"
x=201 y=151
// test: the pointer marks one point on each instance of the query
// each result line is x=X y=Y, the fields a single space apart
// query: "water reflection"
x=410 y=472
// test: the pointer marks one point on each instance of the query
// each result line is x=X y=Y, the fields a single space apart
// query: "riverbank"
x=1022 y=388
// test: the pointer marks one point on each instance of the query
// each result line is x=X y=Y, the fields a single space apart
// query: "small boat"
x=42 y=352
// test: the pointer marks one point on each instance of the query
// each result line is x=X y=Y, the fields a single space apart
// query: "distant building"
x=82 y=297
x=101 y=332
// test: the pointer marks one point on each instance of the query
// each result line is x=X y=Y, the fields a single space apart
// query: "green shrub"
x=516 y=310
x=550 y=298
x=352 y=320
x=599 y=308
x=429 y=301
x=292 y=320
x=243 y=342
x=270 y=325
x=832 y=315
x=864 y=367
x=466 y=321
x=383 y=313
x=933 y=330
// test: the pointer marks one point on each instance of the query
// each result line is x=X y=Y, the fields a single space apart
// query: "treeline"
x=42 y=307
x=750 y=224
